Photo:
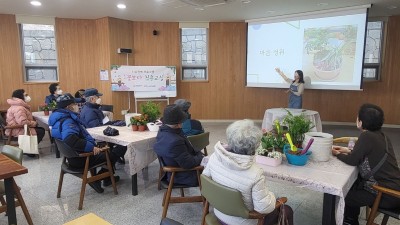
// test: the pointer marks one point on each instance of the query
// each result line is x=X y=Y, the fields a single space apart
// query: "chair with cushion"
x=228 y=201
x=83 y=173
x=395 y=213
x=15 y=154
x=167 y=199
x=200 y=141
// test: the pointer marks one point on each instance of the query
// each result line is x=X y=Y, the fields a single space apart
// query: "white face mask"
x=27 y=98
x=59 y=92
x=98 y=101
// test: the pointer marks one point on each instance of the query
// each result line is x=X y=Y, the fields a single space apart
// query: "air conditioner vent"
x=207 y=3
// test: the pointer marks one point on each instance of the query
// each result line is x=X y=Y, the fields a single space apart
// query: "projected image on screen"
x=327 y=47
x=329 y=53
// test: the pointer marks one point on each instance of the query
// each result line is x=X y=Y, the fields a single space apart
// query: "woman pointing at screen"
x=296 y=88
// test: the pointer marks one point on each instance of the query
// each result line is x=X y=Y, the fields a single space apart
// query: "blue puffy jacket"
x=192 y=127
x=175 y=150
x=66 y=126
x=91 y=115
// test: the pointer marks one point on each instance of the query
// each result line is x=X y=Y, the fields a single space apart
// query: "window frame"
x=194 y=67
x=28 y=66
x=376 y=66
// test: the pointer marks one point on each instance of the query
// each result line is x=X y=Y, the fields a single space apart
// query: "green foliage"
x=139 y=120
x=297 y=127
x=275 y=139
x=152 y=110
x=49 y=107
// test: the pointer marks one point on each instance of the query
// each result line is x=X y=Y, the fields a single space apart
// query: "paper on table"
x=105 y=120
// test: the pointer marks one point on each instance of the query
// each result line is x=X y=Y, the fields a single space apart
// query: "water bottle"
x=351 y=144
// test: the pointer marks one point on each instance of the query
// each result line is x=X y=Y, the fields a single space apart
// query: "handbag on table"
x=27 y=142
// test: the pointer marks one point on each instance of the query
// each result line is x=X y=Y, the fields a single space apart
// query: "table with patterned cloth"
x=140 y=148
x=333 y=178
x=271 y=115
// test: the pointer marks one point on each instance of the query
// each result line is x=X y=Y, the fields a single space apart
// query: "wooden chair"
x=83 y=173
x=395 y=213
x=167 y=221
x=15 y=154
x=344 y=140
x=167 y=199
x=11 y=140
x=200 y=141
x=228 y=201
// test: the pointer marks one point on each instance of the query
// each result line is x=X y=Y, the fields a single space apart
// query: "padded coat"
x=91 y=115
x=19 y=114
x=241 y=173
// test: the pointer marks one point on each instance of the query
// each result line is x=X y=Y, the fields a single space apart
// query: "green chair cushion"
x=211 y=219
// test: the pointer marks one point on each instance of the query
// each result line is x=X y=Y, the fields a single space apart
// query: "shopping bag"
x=28 y=143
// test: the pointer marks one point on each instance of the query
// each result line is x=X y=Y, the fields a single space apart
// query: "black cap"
x=92 y=92
x=173 y=114
x=64 y=100
x=183 y=103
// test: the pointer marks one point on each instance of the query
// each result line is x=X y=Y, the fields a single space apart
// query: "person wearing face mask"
x=296 y=88
x=55 y=91
x=90 y=114
x=67 y=127
x=374 y=156
x=19 y=113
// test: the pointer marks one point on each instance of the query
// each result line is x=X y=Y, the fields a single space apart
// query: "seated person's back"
x=174 y=149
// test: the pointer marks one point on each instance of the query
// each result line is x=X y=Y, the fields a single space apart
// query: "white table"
x=140 y=148
x=271 y=115
x=333 y=178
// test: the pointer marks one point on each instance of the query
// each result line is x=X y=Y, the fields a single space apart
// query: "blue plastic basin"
x=298 y=160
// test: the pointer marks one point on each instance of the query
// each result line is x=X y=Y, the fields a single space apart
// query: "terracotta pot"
x=135 y=127
x=142 y=127
x=46 y=113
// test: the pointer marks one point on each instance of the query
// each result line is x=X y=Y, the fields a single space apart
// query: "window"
x=39 y=52
x=373 y=50
x=194 y=53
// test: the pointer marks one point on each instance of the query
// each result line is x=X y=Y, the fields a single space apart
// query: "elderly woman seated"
x=233 y=165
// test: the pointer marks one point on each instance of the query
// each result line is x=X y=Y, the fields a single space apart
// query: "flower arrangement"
x=139 y=120
x=48 y=107
x=274 y=140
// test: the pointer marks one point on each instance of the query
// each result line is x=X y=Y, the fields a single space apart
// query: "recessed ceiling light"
x=391 y=7
x=322 y=4
x=36 y=3
x=246 y=1
x=121 y=6
x=270 y=11
x=199 y=8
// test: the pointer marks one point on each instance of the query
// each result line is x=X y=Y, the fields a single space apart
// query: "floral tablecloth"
x=332 y=177
x=140 y=145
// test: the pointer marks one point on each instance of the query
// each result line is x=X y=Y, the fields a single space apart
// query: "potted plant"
x=269 y=158
x=297 y=126
x=46 y=108
x=152 y=110
x=138 y=123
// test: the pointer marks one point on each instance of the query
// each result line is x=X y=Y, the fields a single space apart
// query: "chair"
x=15 y=154
x=228 y=201
x=395 y=213
x=167 y=199
x=200 y=141
x=109 y=108
x=11 y=138
x=167 y=221
x=344 y=140
x=83 y=173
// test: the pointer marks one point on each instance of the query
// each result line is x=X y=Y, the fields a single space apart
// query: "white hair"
x=243 y=137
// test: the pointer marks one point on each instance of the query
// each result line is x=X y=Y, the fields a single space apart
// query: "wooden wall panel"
x=78 y=56
x=157 y=50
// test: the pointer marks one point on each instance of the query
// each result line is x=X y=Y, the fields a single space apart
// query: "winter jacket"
x=241 y=173
x=19 y=114
x=175 y=150
x=66 y=126
x=50 y=98
x=91 y=115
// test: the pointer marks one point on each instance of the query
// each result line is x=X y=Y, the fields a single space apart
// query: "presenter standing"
x=296 y=88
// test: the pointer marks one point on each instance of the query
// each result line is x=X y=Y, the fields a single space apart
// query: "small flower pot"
x=295 y=159
x=135 y=127
x=268 y=160
x=141 y=127
x=46 y=112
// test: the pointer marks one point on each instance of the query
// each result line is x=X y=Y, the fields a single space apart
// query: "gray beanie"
x=183 y=103
x=173 y=114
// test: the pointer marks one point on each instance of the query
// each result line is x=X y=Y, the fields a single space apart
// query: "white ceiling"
x=177 y=10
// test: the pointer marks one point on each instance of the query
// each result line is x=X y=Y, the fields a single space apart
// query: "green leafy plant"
x=274 y=140
x=49 y=107
x=152 y=110
x=297 y=126
x=139 y=120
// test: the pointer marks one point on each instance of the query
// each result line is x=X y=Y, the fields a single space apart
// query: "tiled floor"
x=39 y=188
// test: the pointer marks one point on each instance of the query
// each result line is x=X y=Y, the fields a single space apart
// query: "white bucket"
x=321 y=147
x=128 y=117
x=154 y=126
